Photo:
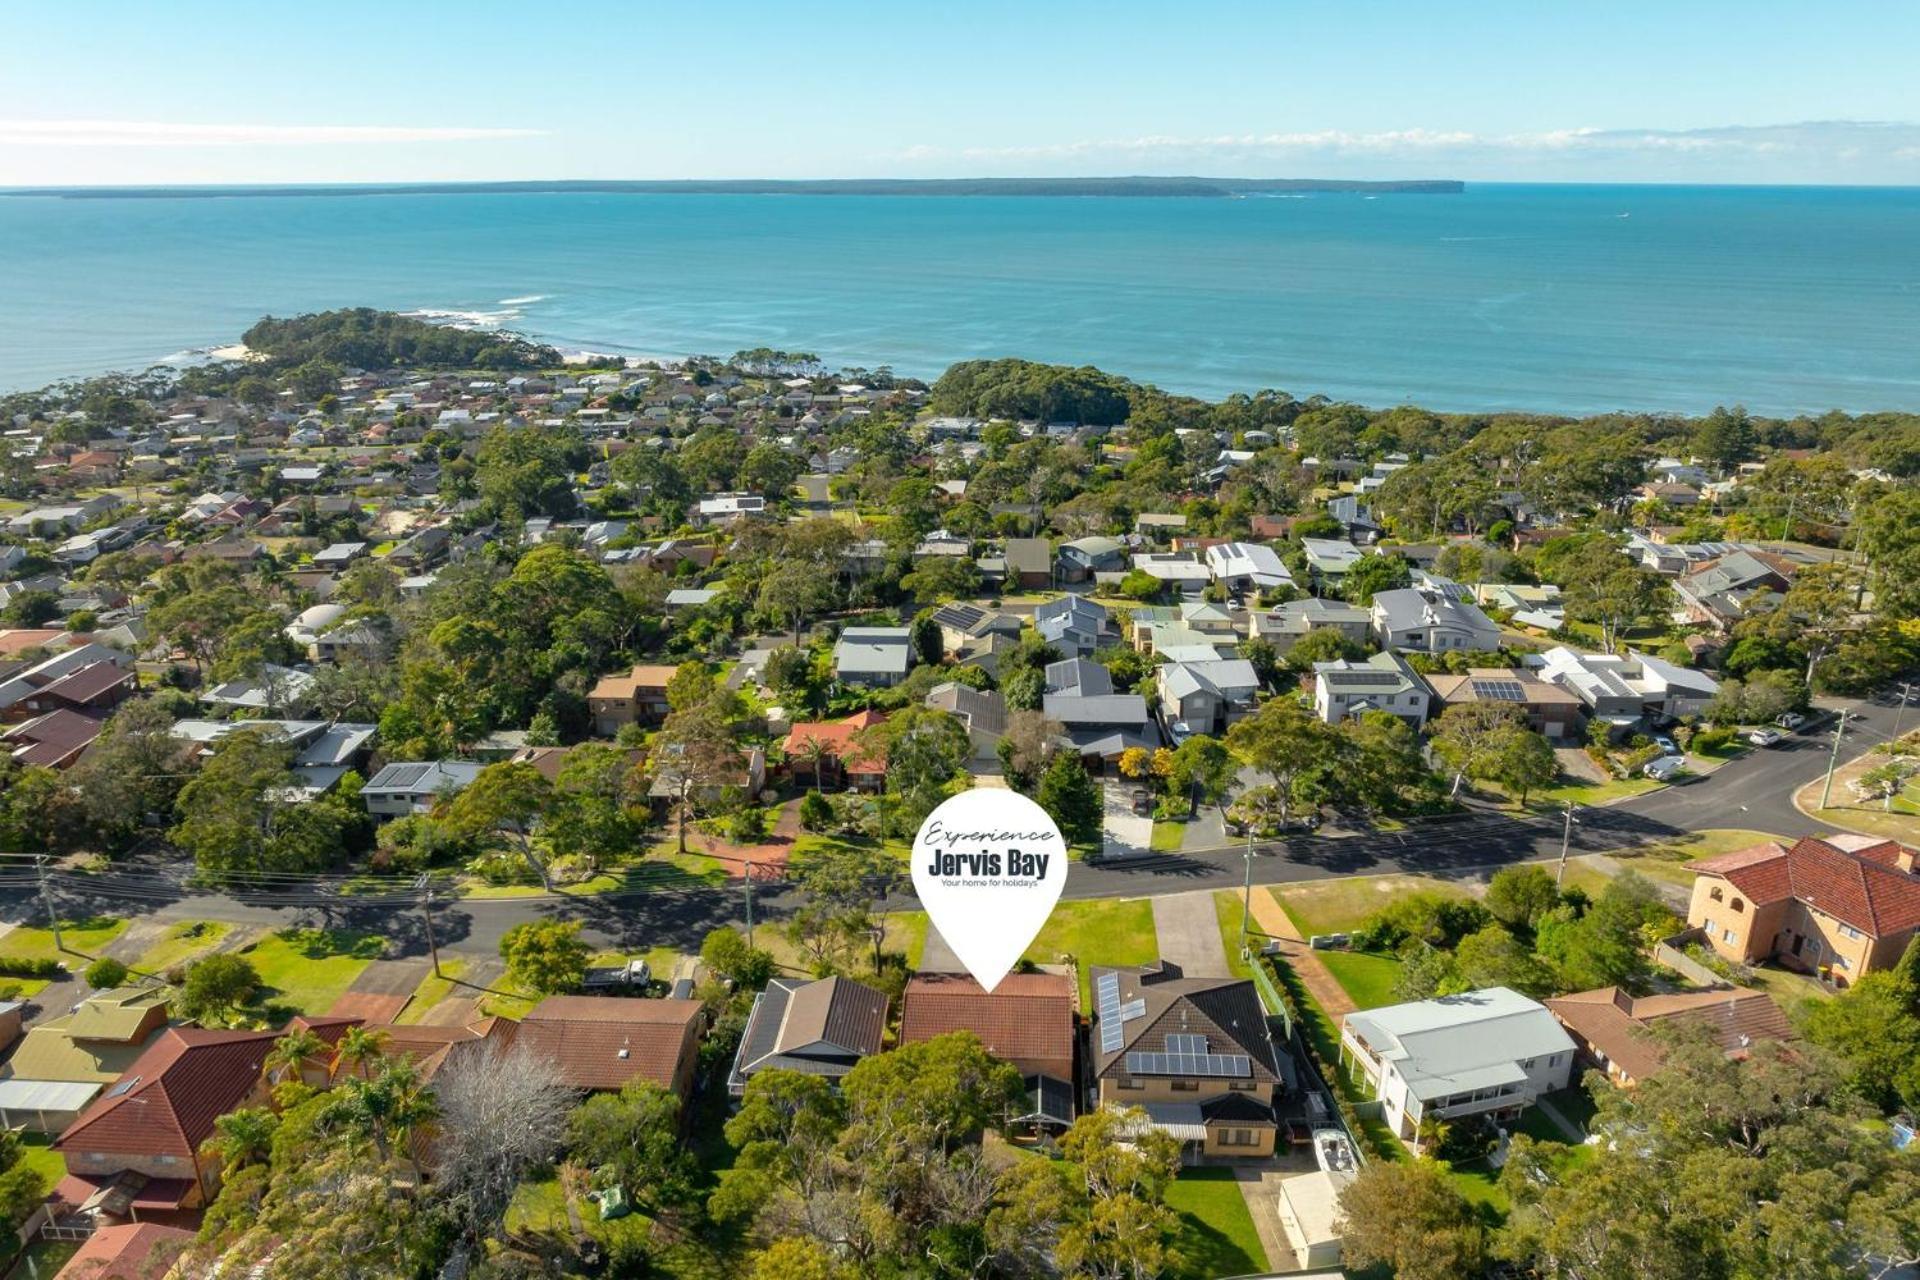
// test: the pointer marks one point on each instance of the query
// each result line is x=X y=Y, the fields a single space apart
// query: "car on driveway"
x=1666 y=744
x=1766 y=737
x=1142 y=802
x=1791 y=720
x=1664 y=768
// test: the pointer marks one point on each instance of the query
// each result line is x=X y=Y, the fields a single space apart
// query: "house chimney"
x=1904 y=859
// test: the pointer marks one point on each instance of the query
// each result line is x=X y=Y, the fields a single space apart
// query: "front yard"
x=1343 y=905
x=1115 y=931
x=1217 y=1235
x=306 y=970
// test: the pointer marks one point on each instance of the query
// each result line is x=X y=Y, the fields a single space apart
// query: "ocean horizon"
x=1561 y=299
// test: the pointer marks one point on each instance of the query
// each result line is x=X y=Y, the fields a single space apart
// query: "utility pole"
x=46 y=900
x=426 y=916
x=1246 y=901
x=1566 y=838
x=1833 y=759
x=746 y=882
x=1906 y=691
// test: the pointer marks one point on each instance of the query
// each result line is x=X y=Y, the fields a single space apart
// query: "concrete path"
x=1189 y=932
x=1260 y=1188
x=1126 y=833
x=459 y=1009
x=937 y=956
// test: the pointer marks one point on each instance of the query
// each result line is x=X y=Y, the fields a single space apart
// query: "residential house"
x=127 y=1251
x=1489 y=1053
x=1081 y=559
x=849 y=755
x=338 y=555
x=637 y=697
x=961 y=625
x=983 y=711
x=1072 y=624
x=423 y=550
x=1356 y=519
x=1529 y=606
x=1029 y=563
x=1206 y=697
x=1028 y=1020
x=1614 y=1029
x=1429 y=622
x=1631 y=688
x=1181 y=570
x=1328 y=560
x=1192 y=625
x=821 y=1028
x=409 y=787
x=1247 y=566
x=1838 y=907
x=721 y=508
x=62 y=1063
x=1158 y=525
x=1195 y=1054
x=601 y=1043
x=1554 y=712
x=88 y=678
x=1720 y=592
x=1102 y=725
x=274 y=688
x=876 y=657
x=1284 y=624
x=54 y=740
x=1381 y=682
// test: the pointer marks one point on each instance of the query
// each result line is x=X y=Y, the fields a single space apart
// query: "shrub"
x=106 y=973
x=22 y=967
x=816 y=811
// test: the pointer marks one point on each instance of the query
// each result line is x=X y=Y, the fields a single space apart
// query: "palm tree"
x=358 y=1047
x=291 y=1052
x=814 y=750
x=241 y=1138
x=395 y=1105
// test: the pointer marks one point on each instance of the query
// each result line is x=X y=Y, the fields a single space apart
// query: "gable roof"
x=841 y=738
x=115 y=1015
x=1227 y=1011
x=1027 y=1018
x=1456 y=1043
x=1862 y=887
x=811 y=1026
x=602 y=1042
x=127 y=1251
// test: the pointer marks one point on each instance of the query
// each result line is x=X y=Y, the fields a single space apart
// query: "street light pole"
x=746 y=880
x=426 y=917
x=1906 y=691
x=1246 y=900
x=46 y=900
x=1566 y=838
x=1833 y=759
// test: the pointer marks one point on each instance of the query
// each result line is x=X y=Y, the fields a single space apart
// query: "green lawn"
x=1480 y=1184
x=1668 y=861
x=1366 y=977
x=86 y=937
x=38 y=1153
x=1217 y=1236
x=44 y=1258
x=1106 y=931
x=306 y=970
x=1324 y=1035
x=1561 y=794
x=907 y=934
x=1167 y=836
x=1230 y=907
x=434 y=990
x=182 y=942
x=1340 y=906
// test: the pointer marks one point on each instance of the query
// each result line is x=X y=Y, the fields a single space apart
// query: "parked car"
x=1791 y=720
x=1142 y=802
x=1664 y=768
x=1666 y=744
x=1765 y=737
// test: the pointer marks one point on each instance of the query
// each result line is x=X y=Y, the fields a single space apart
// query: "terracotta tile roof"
x=1617 y=1024
x=1860 y=887
x=168 y=1099
x=839 y=735
x=601 y=1042
x=1026 y=1020
x=133 y=1251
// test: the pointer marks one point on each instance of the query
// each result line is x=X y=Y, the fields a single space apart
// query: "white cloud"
x=156 y=133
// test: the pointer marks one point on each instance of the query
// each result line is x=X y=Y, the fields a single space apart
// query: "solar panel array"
x=1133 y=1009
x=1106 y=994
x=1499 y=690
x=1228 y=1065
x=1186 y=1044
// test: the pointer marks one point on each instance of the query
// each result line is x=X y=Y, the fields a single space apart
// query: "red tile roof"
x=1027 y=1020
x=601 y=1042
x=134 y=1251
x=839 y=738
x=1862 y=886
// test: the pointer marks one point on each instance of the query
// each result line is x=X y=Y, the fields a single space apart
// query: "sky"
x=218 y=91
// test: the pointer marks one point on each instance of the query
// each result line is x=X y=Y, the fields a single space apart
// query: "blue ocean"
x=1557 y=298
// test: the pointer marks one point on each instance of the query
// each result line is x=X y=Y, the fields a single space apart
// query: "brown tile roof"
x=55 y=739
x=626 y=686
x=601 y=1042
x=1026 y=1020
x=1617 y=1024
x=839 y=737
x=1227 y=1011
x=88 y=683
x=132 y=1251
x=168 y=1099
x=1861 y=887
x=838 y=1011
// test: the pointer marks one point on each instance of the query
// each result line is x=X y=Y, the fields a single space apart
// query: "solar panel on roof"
x=1106 y=989
x=1214 y=1065
x=1186 y=1044
x=1133 y=1009
x=1499 y=690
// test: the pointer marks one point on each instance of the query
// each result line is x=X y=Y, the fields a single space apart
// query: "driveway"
x=1126 y=834
x=1188 y=928
x=937 y=956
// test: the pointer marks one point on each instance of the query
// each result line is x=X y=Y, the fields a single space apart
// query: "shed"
x=1309 y=1208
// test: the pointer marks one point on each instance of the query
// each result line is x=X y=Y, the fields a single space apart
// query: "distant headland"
x=1122 y=186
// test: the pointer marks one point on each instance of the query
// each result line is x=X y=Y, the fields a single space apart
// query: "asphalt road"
x=1752 y=791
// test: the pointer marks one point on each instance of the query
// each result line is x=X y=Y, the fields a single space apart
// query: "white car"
x=1791 y=720
x=1666 y=744
x=1765 y=737
x=1664 y=768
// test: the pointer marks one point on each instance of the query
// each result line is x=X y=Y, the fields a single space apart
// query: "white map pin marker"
x=988 y=866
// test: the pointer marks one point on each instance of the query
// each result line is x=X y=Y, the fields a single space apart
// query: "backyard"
x=1217 y=1235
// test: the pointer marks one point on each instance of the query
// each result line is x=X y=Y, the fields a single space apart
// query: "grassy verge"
x=306 y=970
x=1340 y=906
x=81 y=938
x=185 y=941
x=1105 y=931
x=1217 y=1235
x=434 y=990
x=1229 y=906
x=1167 y=836
x=1668 y=861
